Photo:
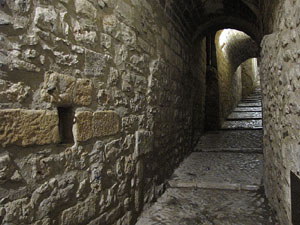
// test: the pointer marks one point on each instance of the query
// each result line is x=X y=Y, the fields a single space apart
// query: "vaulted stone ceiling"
x=201 y=16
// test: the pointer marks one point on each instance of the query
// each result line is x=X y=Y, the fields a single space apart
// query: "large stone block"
x=85 y=8
x=106 y=123
x=28 y=127
x=45 y=18
x=13 y=92
x=65 y=90
x=94 y=63
x=80 y=213
x=83 y=127
x=143 y=142
x=58 y=88
x=83 y=92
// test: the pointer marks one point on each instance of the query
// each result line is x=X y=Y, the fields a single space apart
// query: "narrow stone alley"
x=221 y=182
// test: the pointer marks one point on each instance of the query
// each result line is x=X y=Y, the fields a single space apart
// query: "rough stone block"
x=110 y=23
x=13 y=92
x=45 y=18
x=143 y=142
x=83 y=92
x=28 y=127
x=6 y=168
x=58 y=88
x=80 y=213
x=85 y=8
x=105 y=123
x=83 y=128
x=94 y=63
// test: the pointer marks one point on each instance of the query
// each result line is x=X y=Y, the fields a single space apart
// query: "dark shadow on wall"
x=212 y=104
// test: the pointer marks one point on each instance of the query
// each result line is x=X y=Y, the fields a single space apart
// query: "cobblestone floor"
x=220 y=170
x=221 y=182
x=238 y=140
x=186 y=206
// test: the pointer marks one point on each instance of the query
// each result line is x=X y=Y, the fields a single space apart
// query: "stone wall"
x=96 y=105
x=199 y=85
x=230 y=82
x=280 y=83
x=250 y=79
x=233 y=48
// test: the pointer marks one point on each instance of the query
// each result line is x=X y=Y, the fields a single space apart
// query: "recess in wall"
x=66 y=117
x=295 y=198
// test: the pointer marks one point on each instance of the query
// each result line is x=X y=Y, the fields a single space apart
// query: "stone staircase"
x=220 y=183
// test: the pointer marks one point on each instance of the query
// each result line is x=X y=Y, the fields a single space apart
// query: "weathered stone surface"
x=231 y=139
x=58 y=88
x=81 y=213
x=143 y=142
x=105 y=123
x=94 y=63
x=28 y=127
x=6 y=168
x=83 y=92
x=13 y=92
x=201 y=206
x=95 y=58
x=280 y=96
x=110 y=24
x=45 y=18
x=85 y=8
x=220 y=170
x=83 y=127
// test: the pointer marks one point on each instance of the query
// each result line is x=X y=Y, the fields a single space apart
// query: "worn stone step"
x=247 y=109
x=250 y=101
x=235 y=150
x=230 y=139
x=192 y=206
x=242 y=124
x=245 y=115
x=232 y=171
x=249 y=104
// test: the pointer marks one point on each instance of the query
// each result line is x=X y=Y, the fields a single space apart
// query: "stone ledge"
x=28 y=127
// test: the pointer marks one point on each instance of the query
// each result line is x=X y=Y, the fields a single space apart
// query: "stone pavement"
x=220 y=183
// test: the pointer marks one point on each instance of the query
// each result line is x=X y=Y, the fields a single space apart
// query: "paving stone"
x=242 y=124
x=185 y=206
x=232 y=171
x=245 y=115
x=231 y=139
x=247 y=109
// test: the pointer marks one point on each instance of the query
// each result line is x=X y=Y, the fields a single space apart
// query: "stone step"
x=244 y=115
x=232 y=150
x=231 y=139
x=249 y=104
x=247 y=109
x=186 y=206
x=242 y=124
x=251 y=101
x=231 y=171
